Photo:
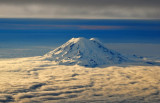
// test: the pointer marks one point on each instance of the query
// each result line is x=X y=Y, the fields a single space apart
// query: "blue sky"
x=29 y=37
x=50 y=30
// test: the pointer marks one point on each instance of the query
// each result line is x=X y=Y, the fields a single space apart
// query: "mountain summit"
x=84 y=52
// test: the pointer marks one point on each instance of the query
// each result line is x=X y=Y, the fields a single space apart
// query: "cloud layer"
x=83 y=9
x=28 y=80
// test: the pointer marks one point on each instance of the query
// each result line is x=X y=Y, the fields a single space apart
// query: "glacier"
x=85 y=52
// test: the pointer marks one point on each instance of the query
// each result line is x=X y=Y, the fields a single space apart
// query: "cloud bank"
x=28 y=80
x=83 y=9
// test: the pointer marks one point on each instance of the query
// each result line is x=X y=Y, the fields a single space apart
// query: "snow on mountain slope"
x=84 y=52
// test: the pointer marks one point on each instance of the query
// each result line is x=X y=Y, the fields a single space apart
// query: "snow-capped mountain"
x=84 y=52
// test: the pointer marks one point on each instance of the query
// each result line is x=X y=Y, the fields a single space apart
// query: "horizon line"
x=81 y=18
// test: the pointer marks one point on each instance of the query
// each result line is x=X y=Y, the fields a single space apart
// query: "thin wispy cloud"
x=7 y=26
x=14 y=26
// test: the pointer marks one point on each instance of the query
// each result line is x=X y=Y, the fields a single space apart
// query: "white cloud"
x=33 y=80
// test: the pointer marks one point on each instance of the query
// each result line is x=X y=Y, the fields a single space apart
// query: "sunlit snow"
x=85 y=52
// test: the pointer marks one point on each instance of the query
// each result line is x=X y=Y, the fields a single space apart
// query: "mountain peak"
x=84 y=52
x=94 y=39
x=76 y=40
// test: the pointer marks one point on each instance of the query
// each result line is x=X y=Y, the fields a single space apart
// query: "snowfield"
x=85 y=52
x=33 y=80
